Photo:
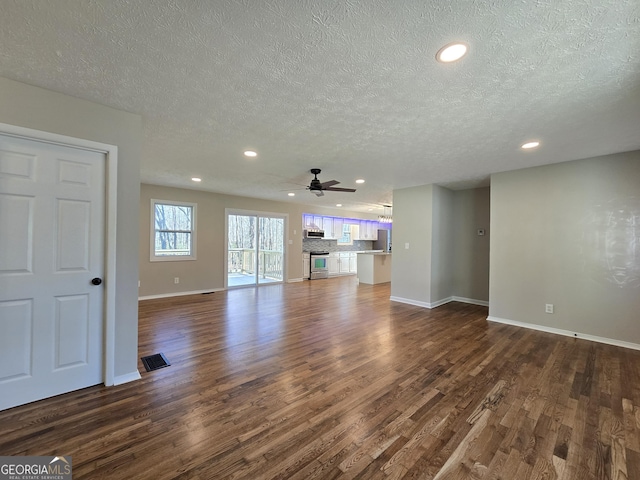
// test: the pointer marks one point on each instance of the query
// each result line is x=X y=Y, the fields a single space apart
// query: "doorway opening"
x=255 y=248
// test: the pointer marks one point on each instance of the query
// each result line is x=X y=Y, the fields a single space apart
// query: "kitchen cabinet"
x=342 y=263
x=311 y=221
x=363 y=230
x=333 y=263
x=337 y=227
x=306 y=265
x=353 y=263
x=307 y=220
x=343 y=266
x=368 y=230
x=333 y=227
x=355 y=231
x=375 y=226
x=327 y=226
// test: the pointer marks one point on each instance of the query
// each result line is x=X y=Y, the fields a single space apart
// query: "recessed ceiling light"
x=360 y=180
x=291 y=194
x=452 y=52
x=196 y=179
x=338 y=204
x=250 y=153
x=530 y=145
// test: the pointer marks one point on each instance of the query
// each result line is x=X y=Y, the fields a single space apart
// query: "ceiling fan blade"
x=338 y=189
x=330 y=183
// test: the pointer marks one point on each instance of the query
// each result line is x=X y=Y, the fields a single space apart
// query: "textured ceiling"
x=351 y=87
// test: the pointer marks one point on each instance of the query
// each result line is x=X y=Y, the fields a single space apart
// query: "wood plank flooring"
x=329 y=379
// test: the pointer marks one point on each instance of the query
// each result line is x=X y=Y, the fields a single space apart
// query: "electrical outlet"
x=548 y=308
x=406 y=246
x=176 y=280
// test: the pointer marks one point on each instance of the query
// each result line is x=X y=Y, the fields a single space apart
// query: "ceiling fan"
x=318 y=187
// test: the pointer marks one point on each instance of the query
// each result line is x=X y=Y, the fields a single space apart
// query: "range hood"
x=313 y=233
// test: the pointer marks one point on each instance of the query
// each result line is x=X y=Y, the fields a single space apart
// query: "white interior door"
x=52 y=220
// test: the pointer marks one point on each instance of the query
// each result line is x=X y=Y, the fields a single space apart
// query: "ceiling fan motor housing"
x=315 y=183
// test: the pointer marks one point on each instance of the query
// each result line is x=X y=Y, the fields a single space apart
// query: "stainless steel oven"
x=319 y=265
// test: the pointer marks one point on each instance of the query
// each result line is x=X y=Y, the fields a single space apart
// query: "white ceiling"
x=348 y=86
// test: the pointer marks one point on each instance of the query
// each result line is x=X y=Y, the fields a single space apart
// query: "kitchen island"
x=374 y=267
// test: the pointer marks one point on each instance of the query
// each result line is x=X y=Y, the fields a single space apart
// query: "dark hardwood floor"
x=329 y=379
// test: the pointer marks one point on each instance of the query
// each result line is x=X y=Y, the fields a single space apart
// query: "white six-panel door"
x=52 y=204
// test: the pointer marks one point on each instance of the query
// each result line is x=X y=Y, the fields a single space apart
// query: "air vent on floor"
x=155 y=361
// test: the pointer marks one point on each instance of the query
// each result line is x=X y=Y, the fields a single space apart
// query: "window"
x=173 y=231
x=347 y=236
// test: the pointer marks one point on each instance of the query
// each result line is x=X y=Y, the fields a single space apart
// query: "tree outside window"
x=173 y=235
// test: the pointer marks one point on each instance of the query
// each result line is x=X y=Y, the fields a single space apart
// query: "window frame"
x=152 y=245
x=349 y=240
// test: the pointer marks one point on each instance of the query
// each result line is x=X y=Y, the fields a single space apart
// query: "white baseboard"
x=126 y=378
x=438 y=303
x=180 y=294
x=294 y=280
x=473 y=301
x=442 y=301
x=566 y=333
x=410 y=302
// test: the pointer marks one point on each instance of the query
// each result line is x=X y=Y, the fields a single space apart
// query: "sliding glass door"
x=255 y=248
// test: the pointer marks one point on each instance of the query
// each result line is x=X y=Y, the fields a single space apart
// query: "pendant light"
x=386 y=217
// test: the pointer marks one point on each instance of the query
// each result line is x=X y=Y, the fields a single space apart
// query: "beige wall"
x=445 y=258
x=208 y=271
x=442 y=247
x=40 y=109
x=412 y=225
x=569 y=235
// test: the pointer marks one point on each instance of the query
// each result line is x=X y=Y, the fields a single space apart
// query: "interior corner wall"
x=442 y=245
x=568 y=234
x=39 y=109
x=471 y=257
x=412 y=236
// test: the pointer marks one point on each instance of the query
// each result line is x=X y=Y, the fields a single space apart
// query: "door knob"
x=96 y=281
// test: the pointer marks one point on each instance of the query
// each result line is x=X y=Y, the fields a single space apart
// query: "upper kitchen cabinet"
x=334 y=228
x=338 y=223
x=311 y=221
x=307 y=220
x=368 y=230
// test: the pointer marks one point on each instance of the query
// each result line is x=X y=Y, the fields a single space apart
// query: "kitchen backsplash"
x=317 y=244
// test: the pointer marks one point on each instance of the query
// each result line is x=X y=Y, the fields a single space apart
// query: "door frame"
x=111 y=202
x=255 y=213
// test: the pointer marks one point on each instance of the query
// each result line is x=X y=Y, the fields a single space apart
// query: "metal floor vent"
x=155 y=361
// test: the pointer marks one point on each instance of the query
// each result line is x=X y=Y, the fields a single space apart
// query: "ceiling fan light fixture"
x=452 y=52
x=318 y=187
